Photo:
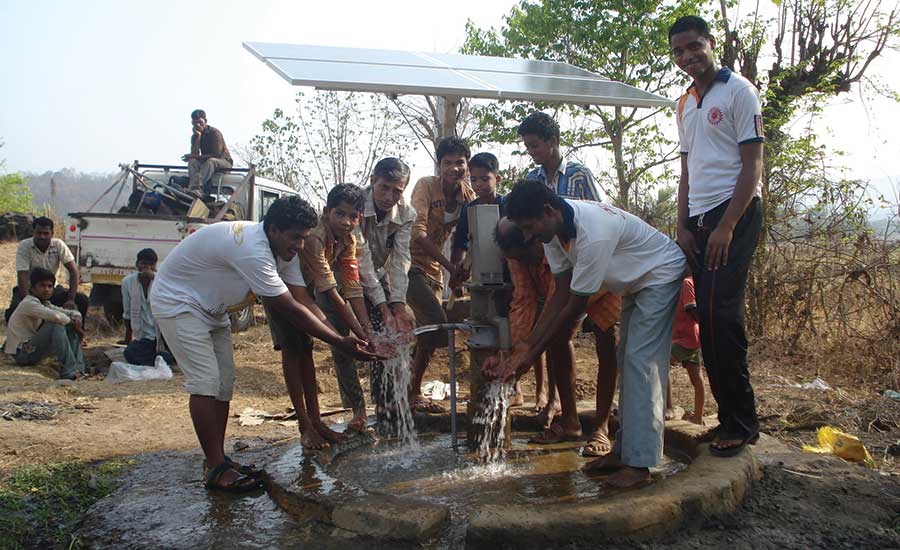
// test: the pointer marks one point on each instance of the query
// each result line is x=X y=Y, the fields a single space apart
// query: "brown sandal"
x=555 y=434
x=597 y=445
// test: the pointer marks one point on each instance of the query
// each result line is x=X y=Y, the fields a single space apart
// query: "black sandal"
x=732 y=451
x=243 y=484
x=245 y=469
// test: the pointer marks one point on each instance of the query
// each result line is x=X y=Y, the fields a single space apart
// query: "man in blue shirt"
x=570 y=179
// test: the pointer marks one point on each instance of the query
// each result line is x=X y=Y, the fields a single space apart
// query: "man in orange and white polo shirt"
x=720 y=127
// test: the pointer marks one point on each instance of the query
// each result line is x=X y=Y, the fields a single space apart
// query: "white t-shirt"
x=215 y=268
x=29 y=256
x=711 y=130
x=612 y=250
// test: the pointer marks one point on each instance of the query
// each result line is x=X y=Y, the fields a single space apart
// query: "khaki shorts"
x=423 y=296
x=284 y=336
x=683 y=355
x=203 y=353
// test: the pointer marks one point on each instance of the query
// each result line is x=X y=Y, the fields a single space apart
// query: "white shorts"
x=203 y=353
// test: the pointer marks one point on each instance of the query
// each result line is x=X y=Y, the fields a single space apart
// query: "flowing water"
x=392 y=377
x=491 y=417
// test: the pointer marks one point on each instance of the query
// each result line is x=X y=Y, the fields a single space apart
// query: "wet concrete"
x=431 y=498
x=535 y=474
x=162 y=504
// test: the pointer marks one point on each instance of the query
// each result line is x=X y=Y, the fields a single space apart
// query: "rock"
x=15 y=226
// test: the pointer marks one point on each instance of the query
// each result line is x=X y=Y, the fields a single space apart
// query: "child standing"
x=686 y=347
x=331 y=270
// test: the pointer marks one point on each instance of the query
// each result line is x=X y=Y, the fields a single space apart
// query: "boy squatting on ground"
x=38 y=329
x=142 y=342
x=43 y=250
x=571 y=180
x=591 y=247
x=532 y=284
x=720 y=128
x=382 y=252
x=437 y=201
x=214 y=270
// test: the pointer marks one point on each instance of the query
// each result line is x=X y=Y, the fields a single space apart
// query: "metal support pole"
x=451 y=351
x=451 y=355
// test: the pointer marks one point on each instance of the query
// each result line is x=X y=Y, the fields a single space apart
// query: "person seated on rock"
x=45 y=251
x=141 y=337
x=39 y=329
x=532 y=283
x=225 y=266
x=208 y=155
x=330 y=266
x=591 y=247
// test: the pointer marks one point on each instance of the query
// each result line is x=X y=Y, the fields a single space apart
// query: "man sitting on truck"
x=42 y=250
x=142 y=343
x=214 y=270
x=208 y=155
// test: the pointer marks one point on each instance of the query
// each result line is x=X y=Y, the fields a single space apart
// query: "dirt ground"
x=96 y=420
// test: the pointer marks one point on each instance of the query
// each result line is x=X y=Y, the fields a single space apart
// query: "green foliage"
x=622 y=40
x=42 y=505
x=15 y=196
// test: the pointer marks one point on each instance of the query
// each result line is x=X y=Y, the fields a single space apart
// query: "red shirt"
x=686 y=332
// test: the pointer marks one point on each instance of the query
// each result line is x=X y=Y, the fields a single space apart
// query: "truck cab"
x=159 y=215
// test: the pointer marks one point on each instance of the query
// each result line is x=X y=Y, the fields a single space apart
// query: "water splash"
x=492 y=417
x=391 y=393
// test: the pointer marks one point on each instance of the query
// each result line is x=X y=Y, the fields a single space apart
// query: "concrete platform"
x=708 y=487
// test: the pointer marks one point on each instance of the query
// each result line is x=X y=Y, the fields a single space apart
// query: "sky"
x=88 y=85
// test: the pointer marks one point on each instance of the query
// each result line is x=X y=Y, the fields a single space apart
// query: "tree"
x=622 y=40
x=15 y=195
x=334 y=137
x=815 y=217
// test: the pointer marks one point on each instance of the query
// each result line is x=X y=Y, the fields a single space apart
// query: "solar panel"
x=399 y=72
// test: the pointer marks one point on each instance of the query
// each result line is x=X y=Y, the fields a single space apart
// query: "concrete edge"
x=711 y=486
x=299 y=484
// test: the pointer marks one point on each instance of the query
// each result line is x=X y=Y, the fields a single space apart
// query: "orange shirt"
x=429 y=203
x=534 y=283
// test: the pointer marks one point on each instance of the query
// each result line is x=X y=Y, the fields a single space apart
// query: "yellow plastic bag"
x=842 y=445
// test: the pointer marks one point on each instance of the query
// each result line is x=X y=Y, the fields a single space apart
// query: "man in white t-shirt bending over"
x=213 y=272
x=590 y=247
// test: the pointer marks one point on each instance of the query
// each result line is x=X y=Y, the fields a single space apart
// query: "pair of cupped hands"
x=507 y=365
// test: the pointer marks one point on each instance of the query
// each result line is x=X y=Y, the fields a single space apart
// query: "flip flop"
x=243 y=484
x=596 y=444
x=555 y=434
x=725 y=452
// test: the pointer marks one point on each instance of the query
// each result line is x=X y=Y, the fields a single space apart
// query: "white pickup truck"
x=106 y=243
